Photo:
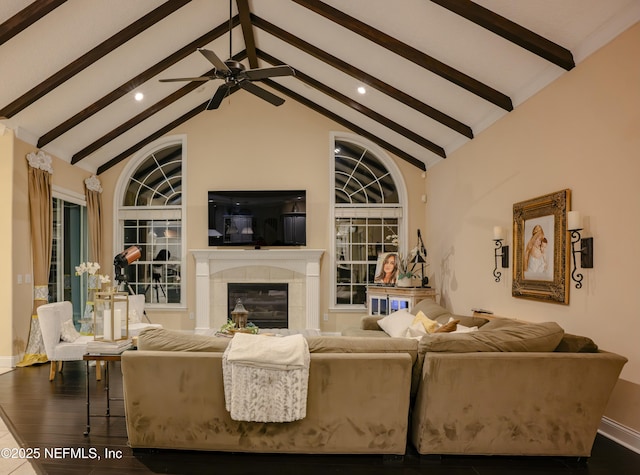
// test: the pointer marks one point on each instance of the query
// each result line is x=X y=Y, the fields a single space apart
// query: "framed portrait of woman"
x=541 y=248
x=386 y=269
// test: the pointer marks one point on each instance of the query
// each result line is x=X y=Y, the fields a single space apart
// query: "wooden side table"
x=99 y=358
x=383 y=300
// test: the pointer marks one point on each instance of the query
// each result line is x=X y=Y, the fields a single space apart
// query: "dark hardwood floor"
x=52 y=415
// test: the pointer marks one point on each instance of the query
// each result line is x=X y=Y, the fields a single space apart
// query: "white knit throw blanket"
x=266 y=377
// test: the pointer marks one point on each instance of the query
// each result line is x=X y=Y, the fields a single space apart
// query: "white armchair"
x=52 y=319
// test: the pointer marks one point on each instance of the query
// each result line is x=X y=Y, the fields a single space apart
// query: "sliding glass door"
x=70 y=248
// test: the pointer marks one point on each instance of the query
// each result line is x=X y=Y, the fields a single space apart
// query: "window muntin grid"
x=367 y=212
x=157 y=181
x=360 y=178
x=151 y=218
x=359 y=241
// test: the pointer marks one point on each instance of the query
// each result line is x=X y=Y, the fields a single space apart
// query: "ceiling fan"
x=235 y=76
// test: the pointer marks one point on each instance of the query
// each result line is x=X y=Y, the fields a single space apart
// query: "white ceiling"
x=39 y=52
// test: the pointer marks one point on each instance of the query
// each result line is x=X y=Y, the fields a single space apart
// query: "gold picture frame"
x=541 y=248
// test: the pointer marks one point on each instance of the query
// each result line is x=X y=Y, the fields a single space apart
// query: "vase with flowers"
x=94 y=283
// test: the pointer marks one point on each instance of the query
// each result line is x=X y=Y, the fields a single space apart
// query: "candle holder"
x=585 y=250
x=239 y=315
x=585 y=247
x=111 y=316
x=504 y=255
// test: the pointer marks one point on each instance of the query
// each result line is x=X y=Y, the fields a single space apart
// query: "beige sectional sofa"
x=509 y=388
x=358 y=397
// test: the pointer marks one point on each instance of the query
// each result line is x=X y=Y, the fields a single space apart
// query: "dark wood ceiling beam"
x=135 y=82
x=156 y=135
x=345 y=123
x=364 y=110
x=247 y=32
x=410 y=53
x=157 y=107
x=511 y=31
x=92 y=56
x=362 y=76
x=122 y=128
x=27 y=17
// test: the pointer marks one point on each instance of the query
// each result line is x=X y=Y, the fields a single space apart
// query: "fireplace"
x=267 y=303
x=299 y=268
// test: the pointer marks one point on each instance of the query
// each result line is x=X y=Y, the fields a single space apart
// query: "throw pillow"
x=416 y=330
x=68 y=332
x=134 y=316
x=464 y=329
x=396 y=323
x=576 y=344
x=429 y=325
x=448 y=327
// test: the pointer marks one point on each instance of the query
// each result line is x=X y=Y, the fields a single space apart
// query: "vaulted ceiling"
x=437 y=73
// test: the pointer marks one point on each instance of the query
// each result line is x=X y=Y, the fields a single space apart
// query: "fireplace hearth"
x=267 y=303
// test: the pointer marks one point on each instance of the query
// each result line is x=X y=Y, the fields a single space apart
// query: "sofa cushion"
x=353 y=331
x=525 y=338
x=161 y=339
x=576 y=344
x=370 y=322
x=431 y=310
x=499 y=322
x=345 y=344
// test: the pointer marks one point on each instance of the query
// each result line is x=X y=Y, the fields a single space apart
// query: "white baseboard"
x=10 y=361
x=624 y=436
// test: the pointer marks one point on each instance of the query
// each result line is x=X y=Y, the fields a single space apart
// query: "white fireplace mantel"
x=211 y=261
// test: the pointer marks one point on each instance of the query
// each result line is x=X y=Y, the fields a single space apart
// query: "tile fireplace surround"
x=298 y=267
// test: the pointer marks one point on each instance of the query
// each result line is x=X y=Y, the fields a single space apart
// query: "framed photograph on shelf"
x=541 y=248
x=386 y=269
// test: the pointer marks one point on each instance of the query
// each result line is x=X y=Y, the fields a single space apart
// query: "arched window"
x=368 y=203
x=150 y=215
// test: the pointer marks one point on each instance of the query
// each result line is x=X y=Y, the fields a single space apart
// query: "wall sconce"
x=574 y=226
x=498 y=237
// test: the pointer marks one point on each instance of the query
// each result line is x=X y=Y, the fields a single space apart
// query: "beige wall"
x=249 y=144
x=582 y=133
x=6 y=242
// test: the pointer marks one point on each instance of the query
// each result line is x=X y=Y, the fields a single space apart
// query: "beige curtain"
x=94 y=213
x=41 y=219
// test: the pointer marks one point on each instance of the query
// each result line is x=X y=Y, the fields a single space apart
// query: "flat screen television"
x=257 y=218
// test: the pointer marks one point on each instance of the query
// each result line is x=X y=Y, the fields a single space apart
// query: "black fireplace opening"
x=267 y=303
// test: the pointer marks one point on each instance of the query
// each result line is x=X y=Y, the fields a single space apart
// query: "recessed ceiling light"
x=362 y=90
x=139 y=96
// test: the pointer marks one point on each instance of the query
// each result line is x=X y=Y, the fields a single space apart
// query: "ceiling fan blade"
x=264 y=73
x=223 y=91
x=199 y=78
x=261 y=93
x=213 y=59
